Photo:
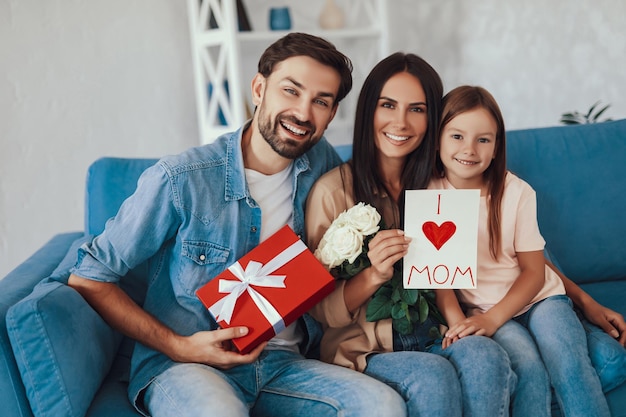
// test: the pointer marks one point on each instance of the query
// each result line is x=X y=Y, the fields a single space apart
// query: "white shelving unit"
x=225 y=59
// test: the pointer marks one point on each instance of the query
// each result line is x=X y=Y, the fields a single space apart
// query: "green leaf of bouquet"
x=398 y=310
x=384 y=291
x=378 y=308
x=402 y=326
x=340 y=273
x=357 y=266
x=410 y=296
x=429 y=295
x=396 y=294
x=414 y=315
x=351 y=270
x=436 y=314
x=423 y=309
x=433 y=310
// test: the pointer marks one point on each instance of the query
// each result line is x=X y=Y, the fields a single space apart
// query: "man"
x=195 y=214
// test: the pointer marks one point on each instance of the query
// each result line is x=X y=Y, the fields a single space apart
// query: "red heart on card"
x=438 y=235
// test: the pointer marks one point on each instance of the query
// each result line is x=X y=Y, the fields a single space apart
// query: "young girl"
x=519 y=301
x=393 y=145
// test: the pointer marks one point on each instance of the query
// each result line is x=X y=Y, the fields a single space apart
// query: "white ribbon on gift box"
x=255 y=274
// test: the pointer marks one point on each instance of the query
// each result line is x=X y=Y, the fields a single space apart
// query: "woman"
x=394 y=139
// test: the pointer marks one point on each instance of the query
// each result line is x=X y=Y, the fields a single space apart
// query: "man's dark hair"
x=303 y=44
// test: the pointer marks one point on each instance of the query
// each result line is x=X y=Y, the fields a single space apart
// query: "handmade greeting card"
x=443 y=226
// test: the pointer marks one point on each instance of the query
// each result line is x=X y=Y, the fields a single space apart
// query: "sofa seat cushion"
x=63 y=349
x=607 y=350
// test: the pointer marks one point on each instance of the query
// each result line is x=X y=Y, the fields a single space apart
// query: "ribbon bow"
x=259 y=275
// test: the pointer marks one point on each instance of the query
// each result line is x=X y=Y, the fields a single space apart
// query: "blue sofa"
x=60 y=359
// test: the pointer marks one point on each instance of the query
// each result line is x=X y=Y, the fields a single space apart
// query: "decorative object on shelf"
x=243 y=22
x=280 y=18
x=242 y=17
x=578 y=118
x=332 y=16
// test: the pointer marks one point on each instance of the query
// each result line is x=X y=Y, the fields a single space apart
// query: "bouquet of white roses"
x=343 y=250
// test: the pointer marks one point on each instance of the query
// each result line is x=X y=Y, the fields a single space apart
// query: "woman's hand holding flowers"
x=356 y=245
x=385 y=249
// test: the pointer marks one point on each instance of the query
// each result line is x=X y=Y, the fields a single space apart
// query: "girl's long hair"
x=367 y=180
x=461 y=100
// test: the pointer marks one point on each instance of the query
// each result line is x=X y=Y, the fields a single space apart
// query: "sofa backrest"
x=109 y=182
x=579 y=174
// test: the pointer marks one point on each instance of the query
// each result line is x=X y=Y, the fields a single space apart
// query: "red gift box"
x=267 y=289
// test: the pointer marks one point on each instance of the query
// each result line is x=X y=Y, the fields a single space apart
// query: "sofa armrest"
x=14 y=287
x=62 y=347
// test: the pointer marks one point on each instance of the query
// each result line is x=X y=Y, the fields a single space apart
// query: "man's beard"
x=287 y=148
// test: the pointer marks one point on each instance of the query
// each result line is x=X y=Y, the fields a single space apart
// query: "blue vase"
x=280 y=18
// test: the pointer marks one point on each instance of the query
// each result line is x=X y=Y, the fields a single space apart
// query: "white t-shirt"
x=274 y=194
x=520 y=233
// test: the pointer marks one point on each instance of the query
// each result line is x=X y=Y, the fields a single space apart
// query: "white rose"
x=325 y=252
x=340 y=221
x=326 y=255
x=364 y=218
x=339 y=244
x=347 y=242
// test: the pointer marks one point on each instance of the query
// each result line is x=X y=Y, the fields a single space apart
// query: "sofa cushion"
x=62 y=347
x=15 y=286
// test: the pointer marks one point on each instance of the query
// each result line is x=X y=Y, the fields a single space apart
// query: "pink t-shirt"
x=520 y=233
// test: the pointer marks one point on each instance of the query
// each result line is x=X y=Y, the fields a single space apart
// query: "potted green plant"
x=592 y=116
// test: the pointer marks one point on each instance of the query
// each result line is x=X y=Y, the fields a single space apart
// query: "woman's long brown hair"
x=416 y=174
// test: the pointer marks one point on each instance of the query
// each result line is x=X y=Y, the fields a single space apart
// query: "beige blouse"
x=348 y=338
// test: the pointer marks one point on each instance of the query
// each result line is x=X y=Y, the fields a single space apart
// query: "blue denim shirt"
x=190 y=218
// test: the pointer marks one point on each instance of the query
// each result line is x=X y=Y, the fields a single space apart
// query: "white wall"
x=80 y=80
x=84 y=79
x=539 y=58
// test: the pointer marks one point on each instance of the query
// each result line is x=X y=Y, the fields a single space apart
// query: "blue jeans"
x=607 y=356
x=481 y=368
x=484 y=371
x=547 y=346
x=428 y=383
x=279 y=383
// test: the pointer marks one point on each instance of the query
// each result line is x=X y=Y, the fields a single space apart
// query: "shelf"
x=268 y=35
x=217 y=36
x=224 y=56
